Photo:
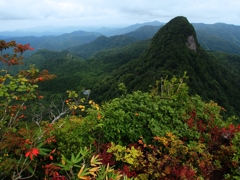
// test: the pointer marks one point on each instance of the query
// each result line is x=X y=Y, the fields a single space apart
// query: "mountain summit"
x=176 y=32
x=173 y=50
x=173 y=41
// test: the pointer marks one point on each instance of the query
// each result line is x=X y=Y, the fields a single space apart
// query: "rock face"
x=191 y=43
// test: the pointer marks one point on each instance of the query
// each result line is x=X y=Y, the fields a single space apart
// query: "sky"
x=23 y=14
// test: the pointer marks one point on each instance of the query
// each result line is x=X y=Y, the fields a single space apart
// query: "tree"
x=19 y=145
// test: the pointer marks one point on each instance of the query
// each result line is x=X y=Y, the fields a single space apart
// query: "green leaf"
x=44 y=151
x=30 y=169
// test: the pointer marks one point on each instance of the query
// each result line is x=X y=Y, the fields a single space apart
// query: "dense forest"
x=145 y=102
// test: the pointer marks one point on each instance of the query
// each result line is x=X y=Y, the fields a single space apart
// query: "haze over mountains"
x=141 y=54
x=48 y=30
x=213 y=37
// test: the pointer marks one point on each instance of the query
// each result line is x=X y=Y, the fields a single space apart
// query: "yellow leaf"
x=93 y=172
x=85 y=177
x=94 y=169
x=83 y=173
x=81 y=170
x=94 y=160
x=109 y=169
x=63 y=161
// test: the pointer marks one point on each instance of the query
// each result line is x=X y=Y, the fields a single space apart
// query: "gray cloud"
x=14 y=13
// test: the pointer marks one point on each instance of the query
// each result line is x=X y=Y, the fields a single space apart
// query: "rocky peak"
x=178 y=33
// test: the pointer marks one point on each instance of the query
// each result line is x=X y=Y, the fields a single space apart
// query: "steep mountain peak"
x=177 y=32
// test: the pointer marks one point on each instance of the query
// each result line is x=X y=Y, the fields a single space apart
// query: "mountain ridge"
x=212 y=37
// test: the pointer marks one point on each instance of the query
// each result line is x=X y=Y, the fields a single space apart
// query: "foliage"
x=20 y=146
x=70 y=135
x=161 y=134
x=88 y=170
x=191 y=139
x=131 y=116
x=171 y=157
x=127 y=155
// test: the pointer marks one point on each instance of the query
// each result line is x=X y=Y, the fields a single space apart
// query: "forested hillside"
x=74 y=73
x=231 y=61
x=102 y=43
x=170 y=55
x=219 y=37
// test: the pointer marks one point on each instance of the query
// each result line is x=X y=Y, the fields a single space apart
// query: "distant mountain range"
x=212 y=37
x=112 y=32
x=55 y=31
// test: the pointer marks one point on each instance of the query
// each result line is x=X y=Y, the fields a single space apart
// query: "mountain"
x=59 y=42
x=47 y=30
x=119 y=31
x=21 y=33
x=212 y=37
x=173 y=50
x=144 y=32
x=101 y=43
x=219 y=37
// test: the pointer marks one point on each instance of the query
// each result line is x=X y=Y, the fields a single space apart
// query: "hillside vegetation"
x=130 y=109
x=164 y=133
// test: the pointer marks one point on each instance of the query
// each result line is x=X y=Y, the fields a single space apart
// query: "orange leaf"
x=99 y=116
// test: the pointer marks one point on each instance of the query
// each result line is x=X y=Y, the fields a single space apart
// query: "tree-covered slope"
x=101 y=43
x=231 y=61
x=173 y=50
x=75 y=73
x=219 y=37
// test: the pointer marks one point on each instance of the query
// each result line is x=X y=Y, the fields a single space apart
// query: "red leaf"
x=32 y=152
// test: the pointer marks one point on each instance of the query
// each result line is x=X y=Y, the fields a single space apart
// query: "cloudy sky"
x=22 y=14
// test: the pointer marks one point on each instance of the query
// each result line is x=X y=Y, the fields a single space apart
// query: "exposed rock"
x=191 y=43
